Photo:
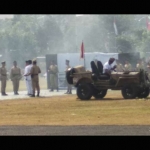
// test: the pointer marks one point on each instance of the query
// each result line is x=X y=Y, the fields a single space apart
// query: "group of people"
x=15 y=76
x=31 y=78
x=128 y=67
x=32 y=71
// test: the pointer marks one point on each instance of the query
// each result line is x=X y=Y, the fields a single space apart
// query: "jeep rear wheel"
x=129 y=92
x=84 y=91
x=100 y=94
x=143 y=93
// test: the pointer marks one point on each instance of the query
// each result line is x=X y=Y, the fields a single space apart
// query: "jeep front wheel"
x=84 y=91
x=129 y=92
x=143 y=93
x=99 y=94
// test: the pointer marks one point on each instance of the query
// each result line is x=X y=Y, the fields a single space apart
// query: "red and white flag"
x=147 y=24
x=82 y=51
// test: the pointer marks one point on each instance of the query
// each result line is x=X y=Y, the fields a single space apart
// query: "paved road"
x=75 y=130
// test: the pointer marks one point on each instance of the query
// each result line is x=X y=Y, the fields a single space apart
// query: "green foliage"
x=28 y=36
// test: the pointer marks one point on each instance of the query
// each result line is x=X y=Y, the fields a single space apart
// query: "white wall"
x=75 y=59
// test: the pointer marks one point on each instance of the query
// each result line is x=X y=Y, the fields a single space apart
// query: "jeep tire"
x=143 y=93
x=99 y=94
x=84 y=91
x=129 y=91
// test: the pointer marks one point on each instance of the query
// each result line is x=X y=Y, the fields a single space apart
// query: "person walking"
x=35 y=70
x=3 y=77
x=15 y=76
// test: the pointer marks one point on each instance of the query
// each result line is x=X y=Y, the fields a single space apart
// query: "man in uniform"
x=53 y=70
x=139 y=65
x=28 y=76
x=35 y=70
x=127 y=66
x=69 y=86
x=119 y=67
x=3 y=76
x=15 y=76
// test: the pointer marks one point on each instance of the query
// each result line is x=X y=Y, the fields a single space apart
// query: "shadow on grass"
x=112 y=99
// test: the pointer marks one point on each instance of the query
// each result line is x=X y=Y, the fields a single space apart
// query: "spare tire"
x=69 y=78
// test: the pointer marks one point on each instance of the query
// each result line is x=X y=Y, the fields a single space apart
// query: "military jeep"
x=131 y=84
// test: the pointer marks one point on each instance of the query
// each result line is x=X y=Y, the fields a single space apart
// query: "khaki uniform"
x=3 y=77
x=15 y=76
x=53 y=77
x=139 y=67
x=127 y=67
x=35 y=70
x=119 y=67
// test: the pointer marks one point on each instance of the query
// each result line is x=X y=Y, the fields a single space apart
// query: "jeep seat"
x=97 y=71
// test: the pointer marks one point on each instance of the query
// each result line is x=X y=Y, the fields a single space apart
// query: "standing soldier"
x=53 y=70
x=139 y=65
x=35 y=70
x=15 y=76
x=3 y=74
x=69 y=87
x=119 y=66
x=127 y=66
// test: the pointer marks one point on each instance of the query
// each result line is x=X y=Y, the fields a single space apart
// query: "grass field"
x=67 y=110
x=22 y=85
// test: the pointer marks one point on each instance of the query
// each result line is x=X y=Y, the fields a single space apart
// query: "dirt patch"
x=67 y=110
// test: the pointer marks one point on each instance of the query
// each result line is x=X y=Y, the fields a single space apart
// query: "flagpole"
x=115 y=33
x=84 y=55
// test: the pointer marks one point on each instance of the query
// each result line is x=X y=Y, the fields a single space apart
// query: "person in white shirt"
x=28 y=76
x=108 y=67
x=25 y=77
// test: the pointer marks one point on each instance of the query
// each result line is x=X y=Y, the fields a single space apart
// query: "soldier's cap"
x=34 y=60
x=3 y=62
x=67 y=60
x=15 y=61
